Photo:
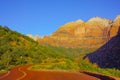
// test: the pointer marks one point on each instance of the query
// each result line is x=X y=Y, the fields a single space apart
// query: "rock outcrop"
x=91 y=34
x=107 y=56
x=36 y=37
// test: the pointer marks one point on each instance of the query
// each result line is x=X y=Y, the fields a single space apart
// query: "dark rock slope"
x=107 y=56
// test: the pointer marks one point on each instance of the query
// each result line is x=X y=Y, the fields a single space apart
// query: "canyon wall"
x=79 y=34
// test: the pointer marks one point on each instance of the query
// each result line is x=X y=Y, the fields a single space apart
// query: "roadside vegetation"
x=82 y=66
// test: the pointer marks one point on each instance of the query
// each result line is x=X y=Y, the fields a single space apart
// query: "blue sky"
x=45 y=16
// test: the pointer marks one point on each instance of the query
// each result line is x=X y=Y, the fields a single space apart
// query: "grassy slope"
x=78 y=66
x=17 y=49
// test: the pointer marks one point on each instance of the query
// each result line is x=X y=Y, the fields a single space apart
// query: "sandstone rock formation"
x=91 y=34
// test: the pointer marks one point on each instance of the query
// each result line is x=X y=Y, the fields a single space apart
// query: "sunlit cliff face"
x=93 y=33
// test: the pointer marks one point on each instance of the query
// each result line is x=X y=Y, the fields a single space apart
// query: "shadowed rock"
x=107 y=56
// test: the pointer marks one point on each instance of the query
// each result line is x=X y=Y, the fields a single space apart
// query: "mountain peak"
x=98 y=19
x=95 y=19
x=117 y=18
x=36 y=37
x=79 y=21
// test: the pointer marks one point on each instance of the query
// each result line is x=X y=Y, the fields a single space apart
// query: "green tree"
x=6 y=58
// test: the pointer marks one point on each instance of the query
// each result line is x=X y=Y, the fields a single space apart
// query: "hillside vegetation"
x=17 y=49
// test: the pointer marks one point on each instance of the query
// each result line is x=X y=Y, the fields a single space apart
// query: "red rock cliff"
x=93 y=33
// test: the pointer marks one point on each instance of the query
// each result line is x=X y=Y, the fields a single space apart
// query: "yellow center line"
x=24 y=74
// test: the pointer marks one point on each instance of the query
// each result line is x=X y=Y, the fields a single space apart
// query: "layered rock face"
x=107 y=56
x=91 y=34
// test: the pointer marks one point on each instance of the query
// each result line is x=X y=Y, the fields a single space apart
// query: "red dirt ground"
x=21 y=73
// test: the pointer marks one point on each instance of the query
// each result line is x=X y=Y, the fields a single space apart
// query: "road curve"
x=24 y=74
x=13 y=74
x=21 y=73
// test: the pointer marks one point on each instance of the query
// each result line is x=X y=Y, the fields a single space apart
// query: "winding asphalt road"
x=21 y=73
